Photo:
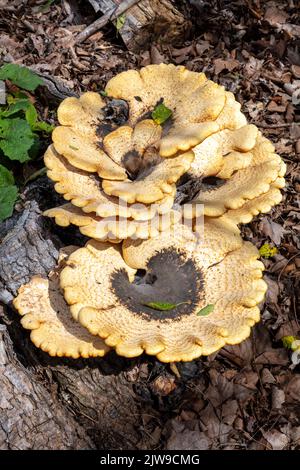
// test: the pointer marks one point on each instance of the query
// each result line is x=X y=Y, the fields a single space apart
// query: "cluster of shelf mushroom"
x=145 y=279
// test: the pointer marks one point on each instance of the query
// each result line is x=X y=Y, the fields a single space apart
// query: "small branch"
x=275 y=126
x=109 y=16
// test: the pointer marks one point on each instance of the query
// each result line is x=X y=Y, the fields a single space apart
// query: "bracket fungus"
x=148 y=280
x=45 y=312
x=191 y=277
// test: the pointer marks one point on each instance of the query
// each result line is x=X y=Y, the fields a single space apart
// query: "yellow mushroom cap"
x=45 y=312
x=113 y=229
x=199 y=106
x=180 y=270
x=85 y=190
x=224 y=152
x=81 y=113
x=245 y=177
x=155 y=185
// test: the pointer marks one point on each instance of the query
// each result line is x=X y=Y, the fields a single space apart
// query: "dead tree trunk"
x=31 y=417
x=49 y=403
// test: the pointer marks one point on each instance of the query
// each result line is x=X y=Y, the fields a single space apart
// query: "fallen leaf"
x=276 y=439
x=275 y=357
x=188 y=440
x=275 y=16
x=278 y=398
x=272 y=230
x=163 y=385
x=228 y=64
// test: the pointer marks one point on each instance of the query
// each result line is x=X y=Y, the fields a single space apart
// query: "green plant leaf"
x=161 y=113
x=288 y=342
x=20 y=76
x=31 y=115
x=43 y=126
x=8 y=193
x=267 y=251
x=32 y=119
x=17 y=106
x=45 y=7
x=8 y=197
x=206 y=310
x=16 y=138
x=162 y=306
x=6 y=177
x=120 y=21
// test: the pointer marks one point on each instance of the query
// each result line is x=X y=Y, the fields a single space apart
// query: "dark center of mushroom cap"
x=115 y=114
x=171 y=277
x=138 y=165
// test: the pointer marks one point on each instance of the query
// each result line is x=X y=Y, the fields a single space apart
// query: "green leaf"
x=45 y=7
x=16 y=138
x=32 y=119
x=8 y=197
x=161 y=113
x=288 y=342
x=103 y=93
x=16 y=107
x=162 y=306
x=267 y=251
x=43 y=127
x=6 y=177
x=8 y=193
x=31 y=116
x=206 y=310
x=120 y=22
x=20 y=76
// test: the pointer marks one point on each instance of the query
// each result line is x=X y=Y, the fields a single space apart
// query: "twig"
x=275 y=126
x=286 y=265
x=110 y=15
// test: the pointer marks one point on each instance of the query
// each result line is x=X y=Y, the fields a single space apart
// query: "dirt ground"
x=246 y=396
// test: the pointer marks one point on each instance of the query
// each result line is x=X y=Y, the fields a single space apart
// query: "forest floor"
x=245 y=396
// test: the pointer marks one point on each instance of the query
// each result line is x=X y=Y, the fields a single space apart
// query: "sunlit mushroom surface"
x=162 y=142
x=47 y=315
x=178 y=271
x=131 y=167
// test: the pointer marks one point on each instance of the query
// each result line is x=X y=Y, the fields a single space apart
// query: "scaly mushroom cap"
x=150 y=177
x=45 y=312
x=180 y=269
x=199 y=106
x=113 y=229
x=156 y=185
x=77 y=140
x=85 y=190
x=246 y=168
x=129 y=154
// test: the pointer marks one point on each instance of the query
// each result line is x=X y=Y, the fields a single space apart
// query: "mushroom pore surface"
x=171 y=277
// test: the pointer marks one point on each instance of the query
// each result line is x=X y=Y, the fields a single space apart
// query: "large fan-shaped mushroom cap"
x=113 y=229
x=150 y=177
x=153 y=186
x=45 y=312
x=85 y=190
x=199 y=106
x=129 y=154
x=244 y=177
x=182 y=272
x=224 y=152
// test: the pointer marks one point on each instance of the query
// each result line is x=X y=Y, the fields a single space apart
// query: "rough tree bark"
x=30 y=416
x=147 y=21
x=49 y=403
